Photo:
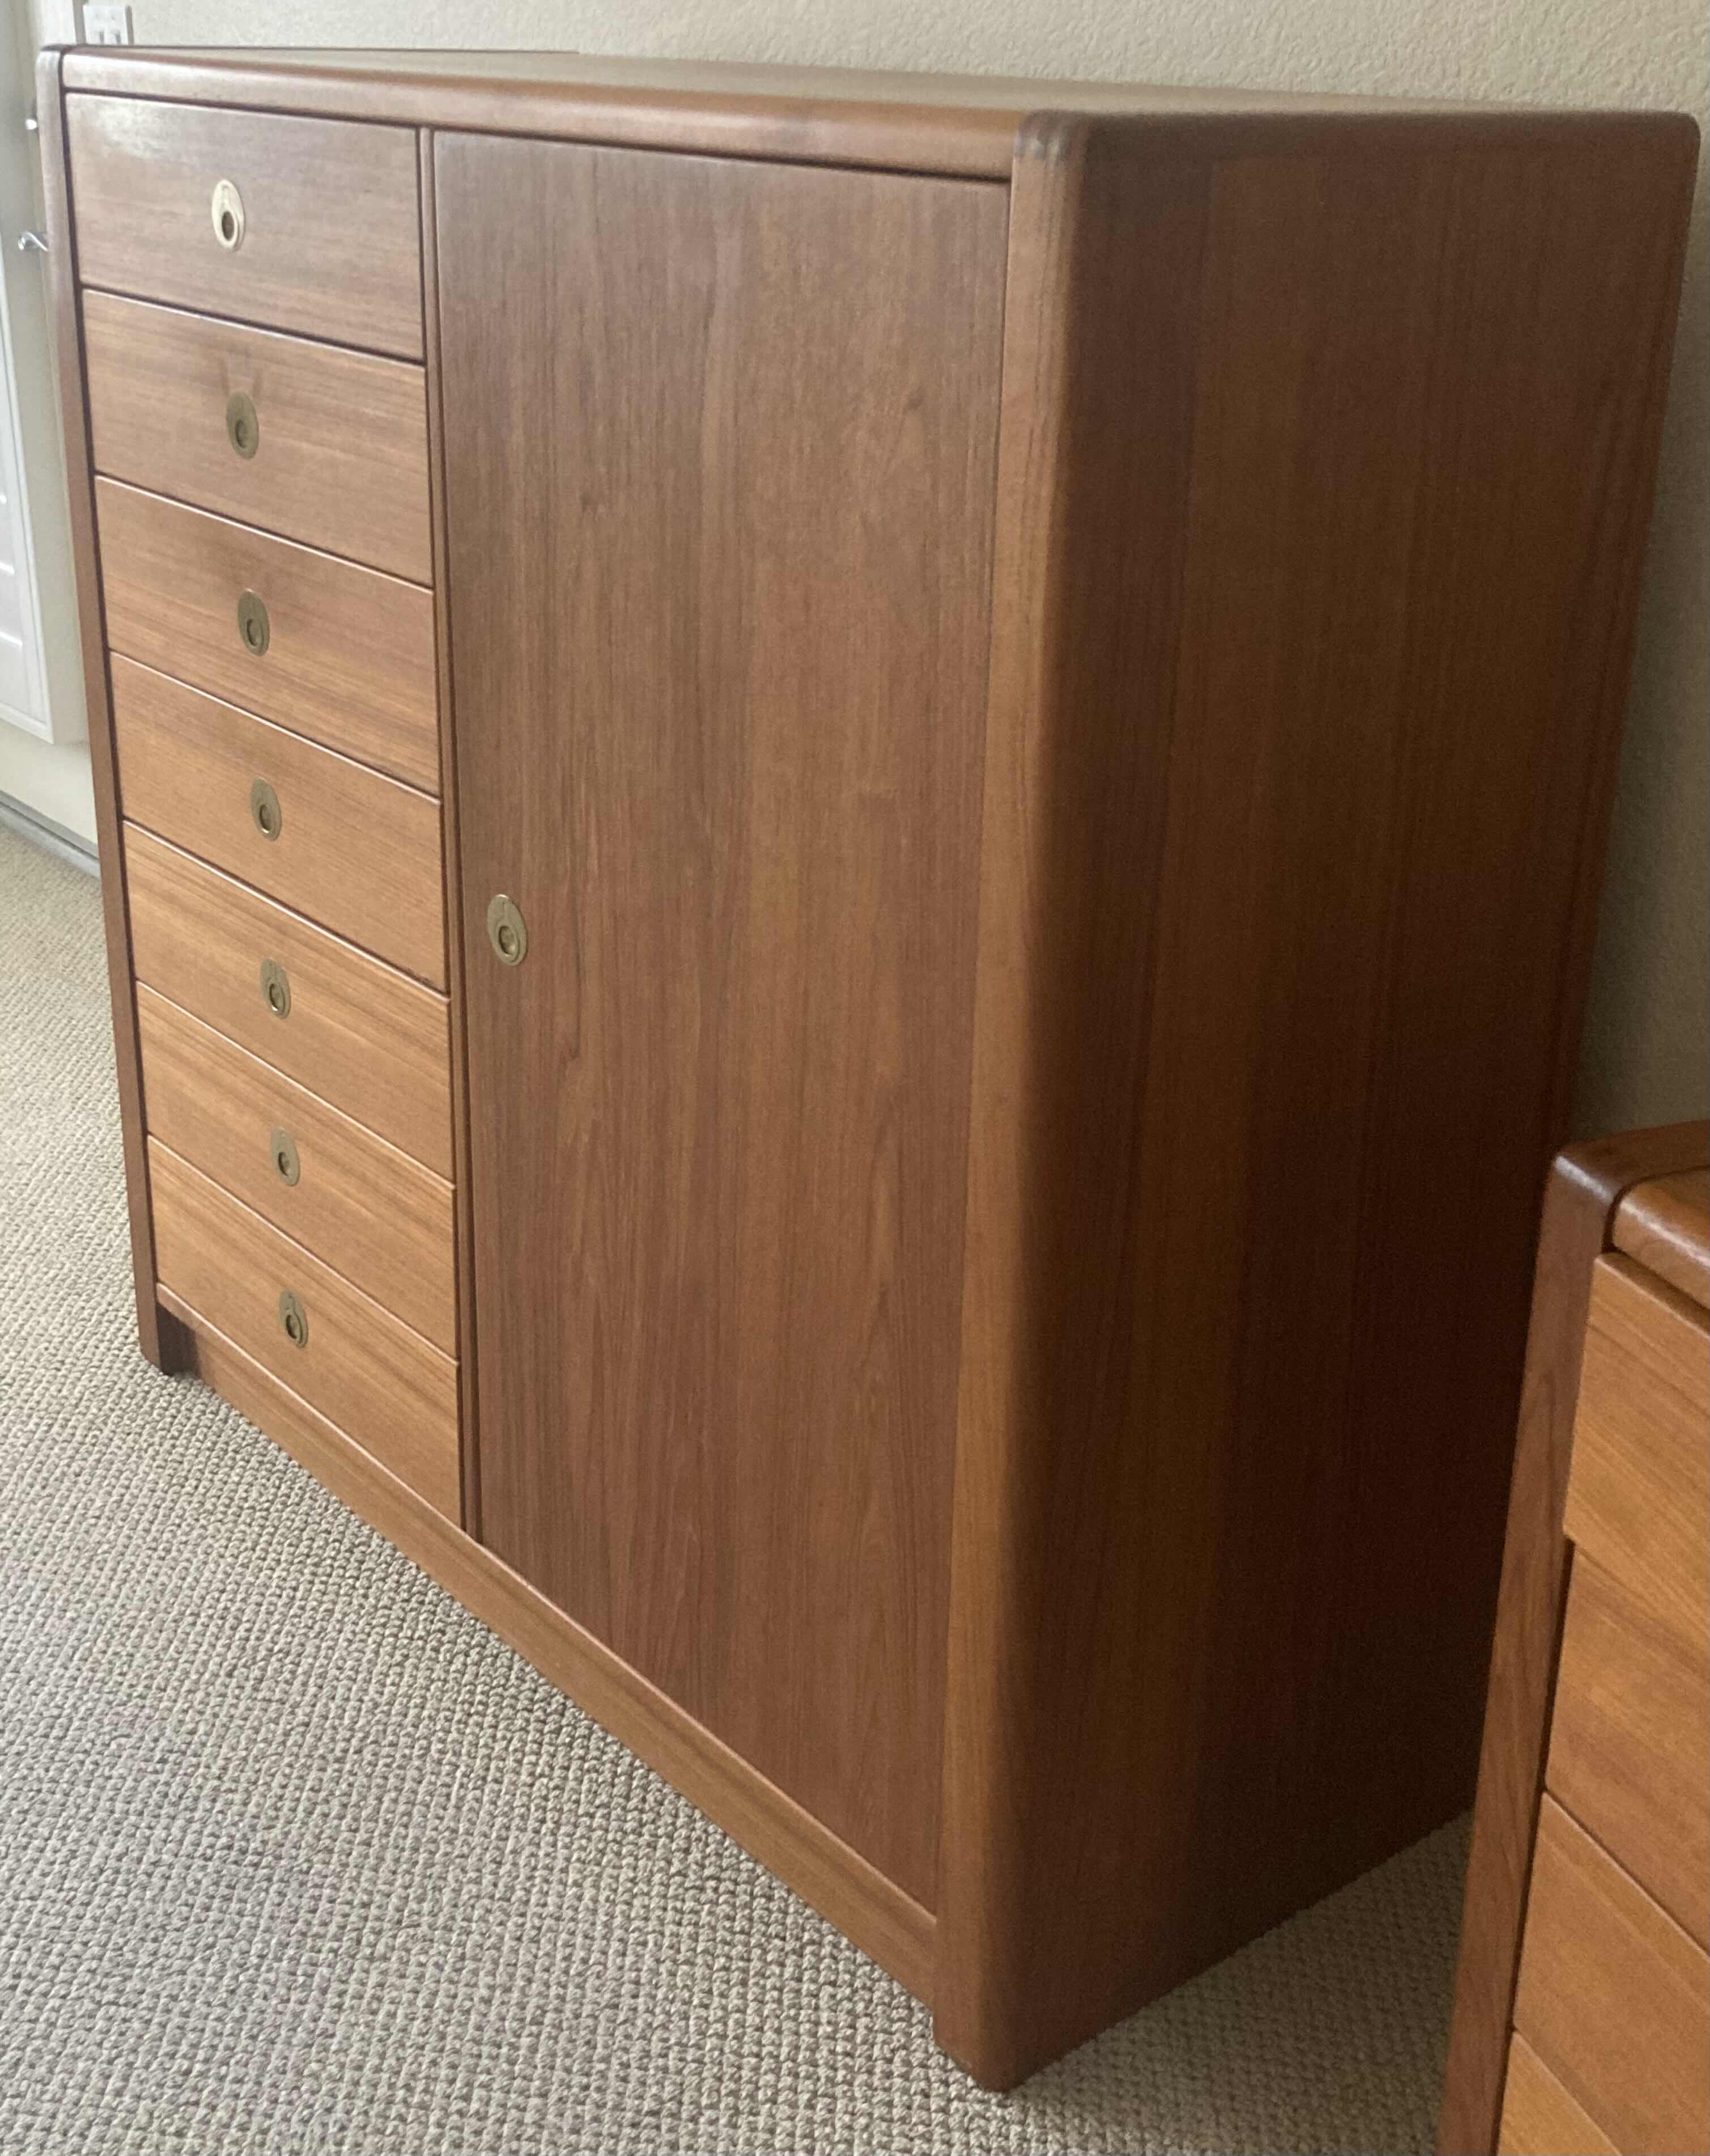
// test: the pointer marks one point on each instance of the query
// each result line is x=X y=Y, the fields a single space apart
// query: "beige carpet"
x=293 y=1854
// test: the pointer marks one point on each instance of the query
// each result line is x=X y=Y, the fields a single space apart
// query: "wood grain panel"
x=469 y=1400
x=358 y=1364
x=959 y=124
x=1278 y=728
x=374 y=1215
x=1664 y=1225
x=349 y=658
x=826 y=1873
x=719 y=654
x=1613 y=1996
x=155 y=1333
x=1630 y=1741
x=1638 y=1490
x=340 y=456
x=1540 y=2118
x=1584 y=1189
x=332 y=245
x=355 y=851
x=364 y=1038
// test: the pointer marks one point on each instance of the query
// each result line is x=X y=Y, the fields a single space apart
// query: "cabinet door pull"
x=507 y=931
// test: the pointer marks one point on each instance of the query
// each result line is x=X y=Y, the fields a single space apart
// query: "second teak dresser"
x=850 y=827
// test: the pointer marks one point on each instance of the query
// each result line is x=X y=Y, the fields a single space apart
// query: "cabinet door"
x=719 y=444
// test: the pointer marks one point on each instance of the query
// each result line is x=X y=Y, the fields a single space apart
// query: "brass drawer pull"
x=507 y=931
x=252 y=623
x=294 y=1319
x=285 y=1163
x=226 y=210
x=264 y=810
x=242 y=427
x=276 y=988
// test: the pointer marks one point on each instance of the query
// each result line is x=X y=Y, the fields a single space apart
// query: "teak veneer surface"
x=1540 y=2118
x=373 y=1213
x=1582 y=1200
x=1059 y=809
x=1253 y=1056
x=966 y=124
x=1613 y=1996
x=341 y=454
x=1639 y=1489
x=350 y=657
x=360 y=1034
x=716 y=1290
x=861 y=1902
x=332 y=243
x=1630 y=1740
x=358 y=1364
x=354 y=849
x=1661 y=1224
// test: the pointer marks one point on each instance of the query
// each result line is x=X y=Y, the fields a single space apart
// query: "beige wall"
x=1645 y=1052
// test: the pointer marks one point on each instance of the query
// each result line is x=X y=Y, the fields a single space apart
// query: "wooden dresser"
x=844 y=820
x=1582 y=2009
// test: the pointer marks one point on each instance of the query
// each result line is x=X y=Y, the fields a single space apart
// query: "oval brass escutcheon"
x=507 y=931
x=264 y=810
x=294 y=1319
x=252 y=623
x=226 y=210
x=285 y=1163
x=276 y=988
x=242 y=427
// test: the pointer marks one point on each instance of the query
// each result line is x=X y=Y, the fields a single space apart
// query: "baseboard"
x=51 y=837
x=870 y=1910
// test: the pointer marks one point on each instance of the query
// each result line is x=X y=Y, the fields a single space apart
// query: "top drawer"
x=322 y=229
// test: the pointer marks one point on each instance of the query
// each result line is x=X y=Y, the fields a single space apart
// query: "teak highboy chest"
x=850 y=827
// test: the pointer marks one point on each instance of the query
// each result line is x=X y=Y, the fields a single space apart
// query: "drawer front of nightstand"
x=342 y=654
x=1613 y=1995
x=304 y=225
x=357 y=852
x=333 y=1345
x=1638 y=1485
x=306 y=440
x=370 y=1212
x=1630 y=1741
x=360 y=1035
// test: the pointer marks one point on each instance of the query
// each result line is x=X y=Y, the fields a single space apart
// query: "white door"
x=41 y=676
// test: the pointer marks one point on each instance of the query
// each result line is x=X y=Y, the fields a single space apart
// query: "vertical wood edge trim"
x=1580 y=942
x=1586 y=1185
x=886 y=1923
x=986 y=1684
x=462 y=1199
x=158 y=1339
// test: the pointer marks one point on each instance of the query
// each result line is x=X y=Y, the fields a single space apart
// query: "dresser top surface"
x=971 y=124
x=1664 y=1225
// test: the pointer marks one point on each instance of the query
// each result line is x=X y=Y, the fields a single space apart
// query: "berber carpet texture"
x=294 y=1854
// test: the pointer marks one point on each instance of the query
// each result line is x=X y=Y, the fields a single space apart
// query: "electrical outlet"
x=106 y=24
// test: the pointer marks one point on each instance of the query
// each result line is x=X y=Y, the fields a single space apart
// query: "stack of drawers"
x=252 y=296
x=1611 y=2029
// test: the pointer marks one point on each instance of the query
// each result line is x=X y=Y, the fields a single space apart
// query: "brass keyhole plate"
x=242 y=427
x=294 y=1319
x=506 y=930
x=264 y=810
x=286 y=1165
x=275 y=988
x=252 y=623
x=226 y=210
